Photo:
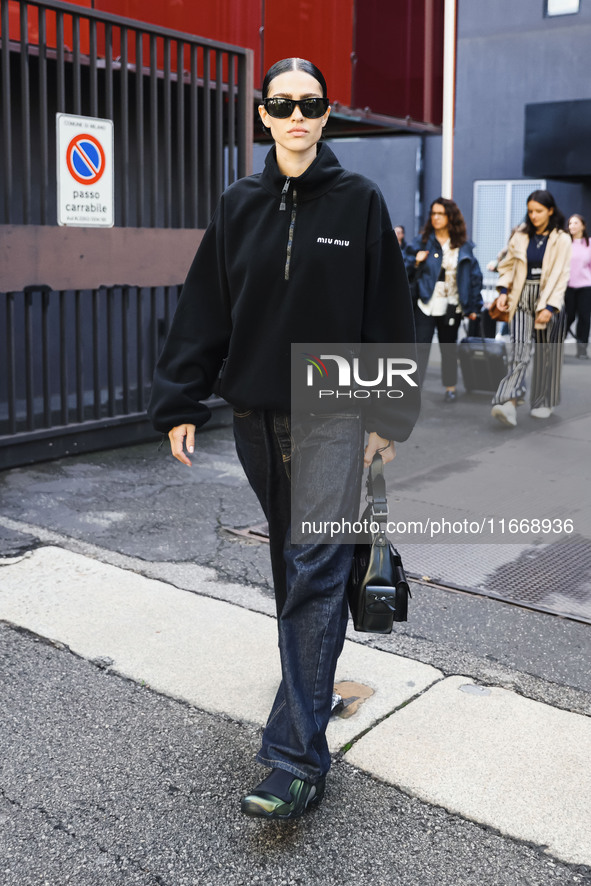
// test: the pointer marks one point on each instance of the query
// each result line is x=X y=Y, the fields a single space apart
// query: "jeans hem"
x=288 y=767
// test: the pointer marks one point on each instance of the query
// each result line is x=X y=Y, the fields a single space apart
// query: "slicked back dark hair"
x=546 y=199
x=294 y=64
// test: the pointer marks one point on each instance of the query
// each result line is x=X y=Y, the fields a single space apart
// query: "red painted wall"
x=398 y=71
x=319 y=31
x=229 y=21
x=392 y=62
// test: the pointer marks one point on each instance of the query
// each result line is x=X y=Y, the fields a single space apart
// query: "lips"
x=297 y=131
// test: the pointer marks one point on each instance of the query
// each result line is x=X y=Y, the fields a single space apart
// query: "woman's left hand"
x=544 y=316
x=386 y=448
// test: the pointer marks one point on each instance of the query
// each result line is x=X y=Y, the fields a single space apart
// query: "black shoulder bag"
x=378 y=591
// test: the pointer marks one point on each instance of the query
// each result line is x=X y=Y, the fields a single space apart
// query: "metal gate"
x=82 y=311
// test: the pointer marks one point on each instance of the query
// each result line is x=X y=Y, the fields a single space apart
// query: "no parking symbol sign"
x=85 y=171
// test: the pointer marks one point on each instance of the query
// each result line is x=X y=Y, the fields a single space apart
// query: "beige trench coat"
x=555 y=271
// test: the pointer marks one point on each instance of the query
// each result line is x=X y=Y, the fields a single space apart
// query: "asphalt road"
x=106 y=782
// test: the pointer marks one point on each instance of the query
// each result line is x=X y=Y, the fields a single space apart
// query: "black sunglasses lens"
x=283 y=107
x=313 y=107
x=279 y=107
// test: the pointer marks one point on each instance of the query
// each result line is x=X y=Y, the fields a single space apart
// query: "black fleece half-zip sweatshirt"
x=307 y=259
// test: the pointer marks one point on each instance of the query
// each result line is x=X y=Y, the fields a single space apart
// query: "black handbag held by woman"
x=378 y=591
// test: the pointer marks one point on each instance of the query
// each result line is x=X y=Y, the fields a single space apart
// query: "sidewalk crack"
x=353 y=741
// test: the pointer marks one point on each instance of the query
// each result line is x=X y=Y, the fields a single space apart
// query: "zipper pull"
x=282 y=205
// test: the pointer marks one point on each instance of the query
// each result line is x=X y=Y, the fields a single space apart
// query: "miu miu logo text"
x=332 y=242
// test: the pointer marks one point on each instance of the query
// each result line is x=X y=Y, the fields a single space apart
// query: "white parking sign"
x=85 y=185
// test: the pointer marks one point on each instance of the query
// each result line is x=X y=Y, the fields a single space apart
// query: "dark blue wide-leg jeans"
x=310 y=579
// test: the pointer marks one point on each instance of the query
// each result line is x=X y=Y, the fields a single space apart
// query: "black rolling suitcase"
x=483 y=362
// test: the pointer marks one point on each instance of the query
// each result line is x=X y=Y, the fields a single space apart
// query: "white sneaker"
x=505 y=413
x=541 y=412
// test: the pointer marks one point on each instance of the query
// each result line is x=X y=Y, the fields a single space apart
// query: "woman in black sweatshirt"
x=303 y=252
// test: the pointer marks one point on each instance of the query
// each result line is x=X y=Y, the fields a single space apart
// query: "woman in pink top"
x=577 y=299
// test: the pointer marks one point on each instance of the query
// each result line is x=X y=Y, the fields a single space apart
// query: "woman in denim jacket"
x=447 y=282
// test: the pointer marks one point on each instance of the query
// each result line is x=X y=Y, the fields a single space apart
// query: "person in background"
x=448 y=281
x=489 y=326
x=400 y=236
x=532 y=282
x=577 y=300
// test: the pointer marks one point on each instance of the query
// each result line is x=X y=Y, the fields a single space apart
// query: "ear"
x=326 y=116
x=264 y=117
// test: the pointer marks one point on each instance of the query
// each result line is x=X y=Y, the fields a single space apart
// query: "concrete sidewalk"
x=482 y=752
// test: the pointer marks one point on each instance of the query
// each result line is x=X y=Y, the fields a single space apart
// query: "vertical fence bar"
x=180 y=132
x=231 y=118
x=241 y=115
x=45 y=301
x=61 y=70
x=10 y=363
x=110 y=369
x=154 y=343
x=76 y=72
x=92 y=68
x=167 y=311
x=139 y=324
x=96 y=357
x=194 y=137
x=29 y=395
x=43 y=117
x=219 y=128
x=63 y=360
x=125 y=347
x=109 y=71
x=139 y=125
x=154 y=129
x=6 y=117
x=245 y=113
x=124 y=88
x=79 y=358
x=207 y=171
x=26 y=114
x=167 y=137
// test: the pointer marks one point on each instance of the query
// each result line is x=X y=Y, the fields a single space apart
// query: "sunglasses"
x=284 y=107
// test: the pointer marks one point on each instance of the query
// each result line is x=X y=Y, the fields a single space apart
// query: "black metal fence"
x=76 y=364
x=180 y=105
x=78 y=368
x=79 y=356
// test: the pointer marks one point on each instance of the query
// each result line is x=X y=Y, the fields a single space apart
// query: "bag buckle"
x=379 y=509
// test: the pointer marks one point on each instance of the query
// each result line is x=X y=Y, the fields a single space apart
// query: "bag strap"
x=376 y=493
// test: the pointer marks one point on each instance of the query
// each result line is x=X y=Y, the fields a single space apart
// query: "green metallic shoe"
x=260 y=804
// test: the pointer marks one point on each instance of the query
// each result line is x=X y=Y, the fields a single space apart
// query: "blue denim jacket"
x=469 y=275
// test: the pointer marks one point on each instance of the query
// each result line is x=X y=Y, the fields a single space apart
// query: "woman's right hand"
x=421 y=256
x=177 y=437
x=502 y=301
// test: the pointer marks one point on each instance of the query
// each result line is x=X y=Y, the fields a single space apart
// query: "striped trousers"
x=547 y=346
